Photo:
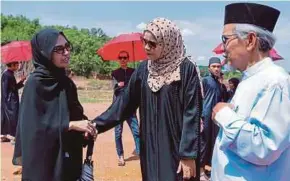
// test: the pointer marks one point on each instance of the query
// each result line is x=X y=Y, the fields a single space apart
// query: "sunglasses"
x=123 y=58
x=61 y=49
x=151 y=44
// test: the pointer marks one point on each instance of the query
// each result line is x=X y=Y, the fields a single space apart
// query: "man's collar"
x=259 y=66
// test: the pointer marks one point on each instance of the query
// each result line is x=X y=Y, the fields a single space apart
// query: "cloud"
x=282 y=31
x=186 y=32
x=206 y=35
x=200 y=35
x=189 y=26
x=201 y=60
x=114 y=28
x=283 y=42
x=202 y=28
x=141 y=26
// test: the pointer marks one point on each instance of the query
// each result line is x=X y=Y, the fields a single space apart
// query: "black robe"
x=170 y=121
x=121 y=75
x=9 y=103
x=44 y=146
x=231 y=94
x=225 y=93
x=213 y=93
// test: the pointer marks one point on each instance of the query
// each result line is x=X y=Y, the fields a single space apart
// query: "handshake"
x=85 y=126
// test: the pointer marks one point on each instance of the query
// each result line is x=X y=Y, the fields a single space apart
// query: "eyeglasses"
x=151 y=44
x=226 y=38
x=61 y=49
x=123 y=58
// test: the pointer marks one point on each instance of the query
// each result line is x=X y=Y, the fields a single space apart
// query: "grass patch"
x=96 y=91
x=95 y=96
x=95 y=84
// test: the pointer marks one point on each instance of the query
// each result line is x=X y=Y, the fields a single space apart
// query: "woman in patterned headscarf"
x=167 y=91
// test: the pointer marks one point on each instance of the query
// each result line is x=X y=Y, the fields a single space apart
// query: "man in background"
x=213 y=93
x=121 y=77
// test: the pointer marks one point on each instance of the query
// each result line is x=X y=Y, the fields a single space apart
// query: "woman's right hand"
x=83 y=126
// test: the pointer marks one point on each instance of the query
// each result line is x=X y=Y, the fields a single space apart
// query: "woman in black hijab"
x=49 y=136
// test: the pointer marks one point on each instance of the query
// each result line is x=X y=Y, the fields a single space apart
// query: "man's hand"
x=22 y=79
x=188 y=168
x=87 y=135
x=94 y=136
x=84 y=126
x=121 y=84
x=201 y=125
x=218 y=107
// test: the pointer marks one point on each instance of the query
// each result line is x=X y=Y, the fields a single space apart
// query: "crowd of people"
x=186 y=122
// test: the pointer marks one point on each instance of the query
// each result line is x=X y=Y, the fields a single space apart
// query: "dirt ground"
x=105 y=157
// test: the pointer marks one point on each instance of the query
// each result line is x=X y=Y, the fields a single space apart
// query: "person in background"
x=233 y=85
x=213 y=93
x=225 y=95
x=121 y=77
x=10 y=102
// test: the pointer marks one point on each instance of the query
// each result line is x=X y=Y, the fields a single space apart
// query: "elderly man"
x=253 y=143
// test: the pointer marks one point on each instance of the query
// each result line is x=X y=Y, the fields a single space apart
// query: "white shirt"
x=253 y=143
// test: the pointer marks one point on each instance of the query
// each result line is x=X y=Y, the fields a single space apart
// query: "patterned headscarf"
x=166 y=69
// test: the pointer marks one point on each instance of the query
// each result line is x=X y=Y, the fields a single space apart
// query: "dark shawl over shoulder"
x=47 y=101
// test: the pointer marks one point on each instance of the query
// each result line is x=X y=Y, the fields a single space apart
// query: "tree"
x=84 y=59
x=98 y=32
x=229 y=75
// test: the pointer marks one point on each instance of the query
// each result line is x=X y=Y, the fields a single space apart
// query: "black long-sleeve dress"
x=121 y=75
x=214 y=93
x=44 y=146
x=9 y=103
x=170 y=121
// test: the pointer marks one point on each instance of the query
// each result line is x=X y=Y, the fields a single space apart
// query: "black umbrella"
x=88 y=168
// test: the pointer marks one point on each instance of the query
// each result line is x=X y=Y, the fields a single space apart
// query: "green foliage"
x=18 y=28
x=106 y=67
x=229 y=75
x=203 y=71
x=84 y=59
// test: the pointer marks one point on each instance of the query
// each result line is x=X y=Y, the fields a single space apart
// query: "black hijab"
x=42 y=47
x=45 y=111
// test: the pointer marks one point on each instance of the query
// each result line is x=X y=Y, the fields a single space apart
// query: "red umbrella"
x=275 y=56
x=125 y=42
x=16 y=51
x=273 y=53
x=224 y=61
x=219 y=49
